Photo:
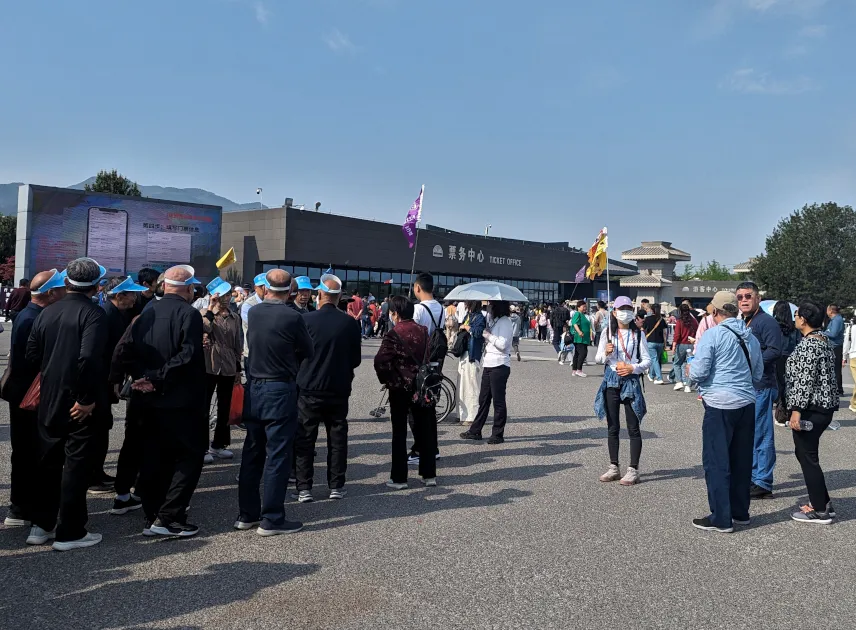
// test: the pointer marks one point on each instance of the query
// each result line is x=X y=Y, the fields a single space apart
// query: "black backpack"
x=438 y=346
x=429 y=377
x=461 y=345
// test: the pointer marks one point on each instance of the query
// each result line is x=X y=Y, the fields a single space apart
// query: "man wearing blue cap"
x=47 y=287
x=324 y=383
x=166 y=359
x=67 y=343
x=278 y=342
x=303 y=299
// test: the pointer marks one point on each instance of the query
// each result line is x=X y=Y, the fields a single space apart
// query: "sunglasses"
x=744 y=296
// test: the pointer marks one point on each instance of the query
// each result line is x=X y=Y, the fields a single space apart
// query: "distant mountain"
x=9 y=197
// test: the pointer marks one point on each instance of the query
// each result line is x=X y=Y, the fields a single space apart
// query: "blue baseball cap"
x=260 y=280
x=127 y=286
x=304 y=283
x=56 y=281
x=220 y=287
x=183 y=283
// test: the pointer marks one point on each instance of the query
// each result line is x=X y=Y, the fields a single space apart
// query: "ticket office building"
x=373 y=257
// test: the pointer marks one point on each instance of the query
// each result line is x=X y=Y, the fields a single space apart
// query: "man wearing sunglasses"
x=769 y=335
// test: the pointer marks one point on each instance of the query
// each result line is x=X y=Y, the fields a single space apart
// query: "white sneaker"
x=221 y=453
x=678 y=387
x=852 y=408
x=657 y=382
x=245 y=525
x=687 y=389
x=87 y=541
x=304 y=496
x=396 y=486
x=208 y=459
x=582 y=374
x=11 y=521
x=612 y=474
x=561 y=363
x=631 y=477
x=38 y=536
x=431 y=483
x=338 y=493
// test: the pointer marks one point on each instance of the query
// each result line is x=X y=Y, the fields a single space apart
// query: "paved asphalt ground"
x=521 y=535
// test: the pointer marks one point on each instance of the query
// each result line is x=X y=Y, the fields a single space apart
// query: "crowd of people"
x=166 y=345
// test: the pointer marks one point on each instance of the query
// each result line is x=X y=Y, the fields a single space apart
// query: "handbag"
x=664 y=357
x=30 y=401
x=236 y=409
x=781 y=414
x=461 y=345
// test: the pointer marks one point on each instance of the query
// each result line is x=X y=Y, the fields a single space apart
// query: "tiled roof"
x=645 y=280
x=655 y=250
x=744 y=267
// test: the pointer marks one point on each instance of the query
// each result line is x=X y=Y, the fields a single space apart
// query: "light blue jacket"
x=720 y=367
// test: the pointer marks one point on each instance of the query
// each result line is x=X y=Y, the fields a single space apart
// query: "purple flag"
x=581 y=275
x=413 y=217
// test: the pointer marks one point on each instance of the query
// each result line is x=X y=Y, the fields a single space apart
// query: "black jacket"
x=21 y=372
x=278 y=341
x=67 y=342
x=558 y=318
x=117 y=322
x=165 y=346
x=336 y=338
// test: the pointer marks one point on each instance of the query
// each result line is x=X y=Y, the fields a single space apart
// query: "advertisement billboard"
x=124 y=234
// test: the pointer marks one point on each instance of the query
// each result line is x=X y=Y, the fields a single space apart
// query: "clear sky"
x=696 y=121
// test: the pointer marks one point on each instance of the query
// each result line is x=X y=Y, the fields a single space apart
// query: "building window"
x=299 y=271
x=375 y=276
x=314 y=273
x=267 y=267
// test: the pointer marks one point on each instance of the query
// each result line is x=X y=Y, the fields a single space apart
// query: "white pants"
x=469 y=382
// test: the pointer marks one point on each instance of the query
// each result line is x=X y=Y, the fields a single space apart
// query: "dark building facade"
x=371 y=256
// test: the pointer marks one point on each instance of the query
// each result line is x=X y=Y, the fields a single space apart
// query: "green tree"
x=7 y=270
x=8 y=235
x=112 y=182
x=811 y=254
x=712 y=270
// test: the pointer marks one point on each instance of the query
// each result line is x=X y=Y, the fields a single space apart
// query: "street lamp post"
x=261 y=198
x=487 y=229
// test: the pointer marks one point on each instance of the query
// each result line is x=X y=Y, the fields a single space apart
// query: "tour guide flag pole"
x=599 y=262
x=411 y=231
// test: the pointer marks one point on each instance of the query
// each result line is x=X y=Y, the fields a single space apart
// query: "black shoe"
x=470 y=436
x=289 y=527
x=413 y=458
x=495 y=439
x=705 y=524
x=123 y=507
x=757 y=492
x=107 y=478
x=183 y=530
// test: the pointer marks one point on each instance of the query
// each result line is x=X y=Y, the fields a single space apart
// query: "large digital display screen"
x=124 y=234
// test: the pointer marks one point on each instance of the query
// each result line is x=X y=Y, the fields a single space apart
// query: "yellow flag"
x=597 y=256
x=227 y=260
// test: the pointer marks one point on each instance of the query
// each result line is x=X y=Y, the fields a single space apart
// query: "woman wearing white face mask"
x=624 y=350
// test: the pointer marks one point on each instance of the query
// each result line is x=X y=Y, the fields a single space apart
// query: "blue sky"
x=701 y=122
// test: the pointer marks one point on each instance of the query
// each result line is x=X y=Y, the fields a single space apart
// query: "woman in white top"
x=496 y=367
x=624 y=350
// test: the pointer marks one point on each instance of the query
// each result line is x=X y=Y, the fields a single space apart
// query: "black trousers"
x=131 y=453
x=24 y=437
x=806 y=445
x=223 y=386
x=333 y=413
x=174 y=445
x=542 y=333
x=493 y=383
x=780 y=380
x=580 y=355
x=67 y=456
x=425 y=427
x=101 y=446
x=612 y=402
x=839 y=359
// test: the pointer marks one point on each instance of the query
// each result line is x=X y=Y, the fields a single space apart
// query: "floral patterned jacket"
x=810 y=375
x=394 y=362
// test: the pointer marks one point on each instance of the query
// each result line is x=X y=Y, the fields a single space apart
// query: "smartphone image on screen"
x=107 y=238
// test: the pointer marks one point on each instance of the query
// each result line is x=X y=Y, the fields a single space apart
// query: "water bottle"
x=806 y=425
x=834 y=425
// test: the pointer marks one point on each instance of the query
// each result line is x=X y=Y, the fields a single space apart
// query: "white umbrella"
x=488 y=290
x=767 y=307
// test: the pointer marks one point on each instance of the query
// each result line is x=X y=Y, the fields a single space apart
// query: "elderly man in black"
x=325 y=386
x=278 y=342
x=165 y=357
x=67 y=342
x=47 y=287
